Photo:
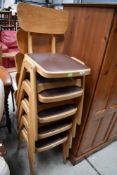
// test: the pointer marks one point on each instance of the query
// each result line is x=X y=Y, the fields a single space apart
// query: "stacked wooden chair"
x=50 y=85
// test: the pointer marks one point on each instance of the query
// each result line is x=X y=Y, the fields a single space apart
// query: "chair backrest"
x=37 y=19
x=40 y=20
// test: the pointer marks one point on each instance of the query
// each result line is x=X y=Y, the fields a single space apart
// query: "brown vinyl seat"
x=56 y=65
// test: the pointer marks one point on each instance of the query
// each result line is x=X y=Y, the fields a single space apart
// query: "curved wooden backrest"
x=22 y=40
x=37 y=19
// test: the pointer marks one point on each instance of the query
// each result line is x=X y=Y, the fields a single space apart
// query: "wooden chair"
x=50 y=85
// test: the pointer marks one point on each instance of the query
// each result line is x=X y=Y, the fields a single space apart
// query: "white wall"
x=8 y=3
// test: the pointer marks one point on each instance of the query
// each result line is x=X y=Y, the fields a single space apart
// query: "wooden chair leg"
x=8 y=121
x=64 y=153
x=31 y=155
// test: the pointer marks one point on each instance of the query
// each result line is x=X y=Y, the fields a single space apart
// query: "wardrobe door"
x=112 y=103
x=102 y=123
x=86 y=38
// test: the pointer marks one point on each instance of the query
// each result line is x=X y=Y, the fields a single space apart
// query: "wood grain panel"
x=112 y=101
x=100 y=132
x=104 y=92
x=113 y=133
x=96 y=131
x=106 y=85
x=86 y=39
x=103 y=129
x=88 y=137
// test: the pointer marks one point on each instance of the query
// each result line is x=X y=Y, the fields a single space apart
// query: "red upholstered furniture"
x=8 y=45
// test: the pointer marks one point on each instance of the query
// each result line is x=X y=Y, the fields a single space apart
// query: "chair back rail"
x=41 y=42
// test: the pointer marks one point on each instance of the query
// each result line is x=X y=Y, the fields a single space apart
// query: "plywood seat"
x=47 y=130
x=57 y=113
x=57 y=65
x=51 y=142
x=48 y=83
x=44 y=106
x=59 y=94
x=41 y=79
x=53 y=113
x=54 y=128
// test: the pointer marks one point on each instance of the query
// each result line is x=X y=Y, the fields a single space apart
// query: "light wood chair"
x=50 y=85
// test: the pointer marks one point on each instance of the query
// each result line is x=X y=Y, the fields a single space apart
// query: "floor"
x=103 y=162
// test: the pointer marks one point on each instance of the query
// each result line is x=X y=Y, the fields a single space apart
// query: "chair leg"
x=8 y=121
x=12 y=92
x=64 y=153
x=32 y=157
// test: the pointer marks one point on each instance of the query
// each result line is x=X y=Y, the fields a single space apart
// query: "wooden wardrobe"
x=92 y=37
